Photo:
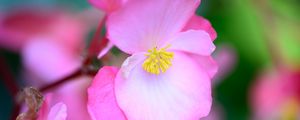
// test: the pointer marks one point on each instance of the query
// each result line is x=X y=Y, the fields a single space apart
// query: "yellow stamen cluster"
x=158 y=60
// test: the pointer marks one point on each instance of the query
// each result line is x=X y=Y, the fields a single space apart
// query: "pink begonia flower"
x=275 y=95
x=53 y=49
x=147 y=85
x=56 y=112
x=102 y=104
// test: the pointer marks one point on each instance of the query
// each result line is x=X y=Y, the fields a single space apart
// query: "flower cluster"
x=166 y=76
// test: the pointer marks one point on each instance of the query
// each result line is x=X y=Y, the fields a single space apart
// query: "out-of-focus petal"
x=17 y=26
x=49 y=60
x=74 y=94
x=102 y=104
x=181 y=93
x=143 y=24
x=58 y=112
x=267 y=95
x=200 y=23
x=108 y=5
x=226 y=58
x=193 y=41
x=69 y=32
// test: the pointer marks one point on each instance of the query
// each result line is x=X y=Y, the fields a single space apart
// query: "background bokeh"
x=255 y=38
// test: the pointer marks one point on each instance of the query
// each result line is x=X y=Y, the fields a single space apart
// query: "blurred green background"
x=263 y=34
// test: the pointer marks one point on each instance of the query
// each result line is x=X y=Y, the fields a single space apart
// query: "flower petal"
x=200 y=23
x=44 y=109
x=193 y=41
x=207 y=63
x=49 y=60
x=143 y=24
x=102 y=103
x=58 y=112
x=105 y=50
x=107 y=5
x=74 y=94
x=179 y=93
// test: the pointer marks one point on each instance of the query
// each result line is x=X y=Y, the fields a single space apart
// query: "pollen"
x=158 y=60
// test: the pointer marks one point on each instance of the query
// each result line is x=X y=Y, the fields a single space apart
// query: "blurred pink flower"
x=102 y=104
x=51 y=42
x=57 y=112
x=147 y=85
x=275 y=95
x=20 y=26
x=54 y=53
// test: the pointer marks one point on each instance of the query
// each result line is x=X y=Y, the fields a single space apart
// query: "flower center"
x=158 y=60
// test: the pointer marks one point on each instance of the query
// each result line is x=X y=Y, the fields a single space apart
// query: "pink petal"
x=182 y=92
x=102 y=103
x=18 y=25
x=200 y=23
x=49 y=60
x=268 y=94
x=193 y=41
x=143 y=24
x=108 y=5
x=131 y=62
x=74 y=94
x=207 y=63
x=58 y=112
x=105 y=50
x=43 y=111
